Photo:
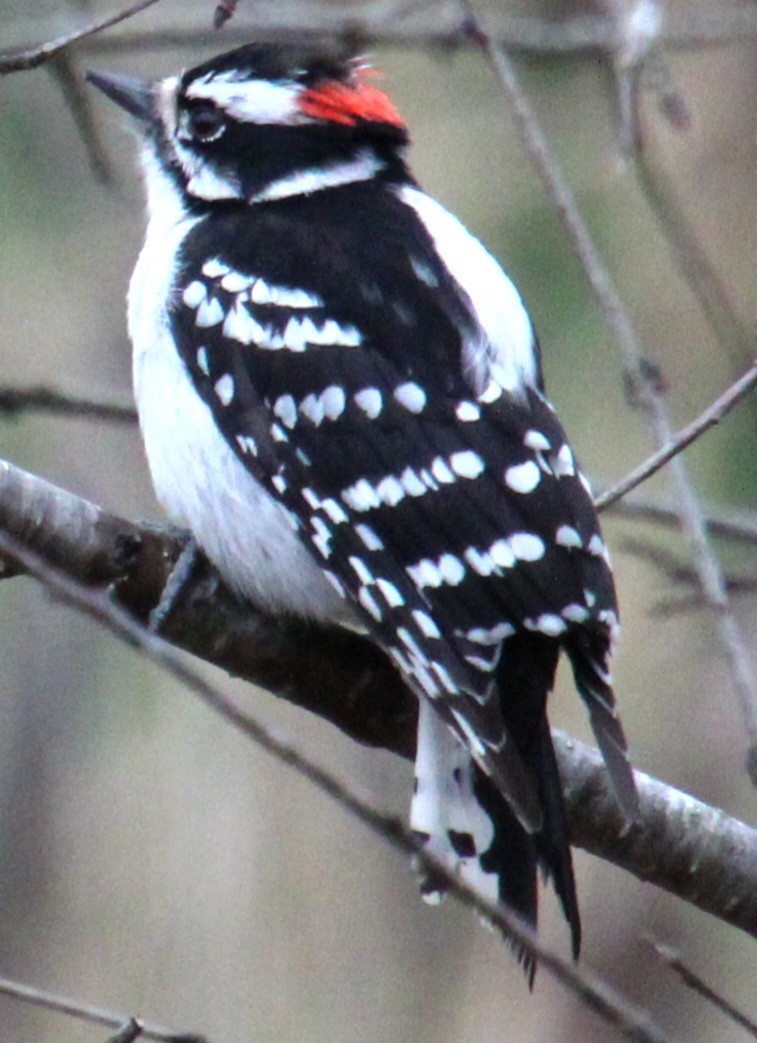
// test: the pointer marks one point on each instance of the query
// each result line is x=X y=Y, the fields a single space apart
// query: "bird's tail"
x=467 y=823
x=468 y=826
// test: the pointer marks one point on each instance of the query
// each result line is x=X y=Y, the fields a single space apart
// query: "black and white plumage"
x=340 y=395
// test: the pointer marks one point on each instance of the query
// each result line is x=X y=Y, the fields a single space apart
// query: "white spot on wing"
x=567 y=536
x=361 y=496
x=451 y=569
x=334 y=400
x=389 y=490
x=210 y=313
x=527 y=546
x=312 y=407
x=492 y=636
x=426 y=624
x=468 y=412
x=247 y=444
x=361 y=570
x=596 y=545
x=370 y=401
x=483 y=564
x=411 y=396
x=294 y=335
x=285 y=408
x=562 y=462
x=522 y=478
x=547 y=623
x=224 y=389
x=322 y=538
x=194 y=294
x=503 y=554
x=491 y=393
x=441 y=471
x=335 y=513
x=424 y=271
x=467 y=464
x=369 y=536
x=370 y=604
x=536 y=440
x=235 y=282
x=239 y=325
x=424 y=574
x=391 y=594
x=412 y=484
x=215 y=268
x=203 y=362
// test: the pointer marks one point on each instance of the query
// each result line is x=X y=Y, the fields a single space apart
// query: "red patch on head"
x=349 y=105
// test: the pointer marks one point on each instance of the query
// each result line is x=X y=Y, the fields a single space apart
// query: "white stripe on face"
x=251 y=101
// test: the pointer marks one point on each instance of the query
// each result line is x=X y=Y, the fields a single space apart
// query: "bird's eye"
x=206 y=123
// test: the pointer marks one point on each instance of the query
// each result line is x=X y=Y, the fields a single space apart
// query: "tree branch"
x=95 y=1015
x=31 y=57
x=692 y=981
x=682 y=439
x=591 y=989
x=686 y=847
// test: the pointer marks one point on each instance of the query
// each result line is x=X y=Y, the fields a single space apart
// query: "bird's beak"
x=136 y=96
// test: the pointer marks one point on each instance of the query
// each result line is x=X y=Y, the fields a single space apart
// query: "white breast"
x=198 y=479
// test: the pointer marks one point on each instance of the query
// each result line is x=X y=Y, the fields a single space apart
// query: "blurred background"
x=151 y=859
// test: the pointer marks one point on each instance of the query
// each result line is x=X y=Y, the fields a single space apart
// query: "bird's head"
x=264 y=122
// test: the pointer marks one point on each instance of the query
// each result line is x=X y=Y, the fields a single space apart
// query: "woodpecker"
x=341 y=397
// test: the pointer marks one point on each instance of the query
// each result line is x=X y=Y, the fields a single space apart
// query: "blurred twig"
x=693 y=851
x=590 y=988
x=638 y=374
x=31 y=57
x=680 y=574
x=687 y=251
x=694 y=982
x=532 y=36
x=683 y=438
x=86 y=1012
x=63 y=68
x=730 y=523
x=41 y=398
x=528 y=35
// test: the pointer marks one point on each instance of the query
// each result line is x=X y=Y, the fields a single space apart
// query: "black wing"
x=334 y=368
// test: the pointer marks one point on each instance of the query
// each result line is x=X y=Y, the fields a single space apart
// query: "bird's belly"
x=204 y=487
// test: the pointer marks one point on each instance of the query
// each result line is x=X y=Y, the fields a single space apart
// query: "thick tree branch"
x=593 y=990
x=686 y=847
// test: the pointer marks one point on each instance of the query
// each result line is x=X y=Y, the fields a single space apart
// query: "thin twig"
x=34 y=56
x=591 y=989
x=41 y=398
x=87 y=1012
x=79 y=101
x=730 y=523
x=694 y=982
x=575 y=37
x=680 y=573
x=638 y=377
x=688 y=253
x=709 y=418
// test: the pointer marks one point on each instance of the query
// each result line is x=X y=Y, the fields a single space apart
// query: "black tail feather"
x=525 y=677
x=589 y=653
